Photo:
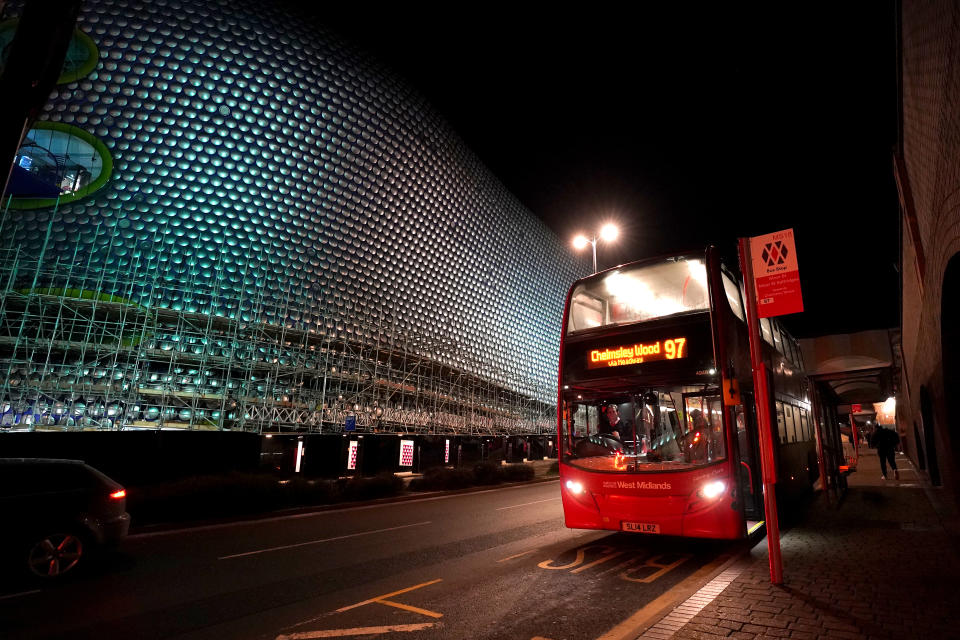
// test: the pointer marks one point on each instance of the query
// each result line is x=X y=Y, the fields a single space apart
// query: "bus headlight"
x=574 y=487
x=712 y=489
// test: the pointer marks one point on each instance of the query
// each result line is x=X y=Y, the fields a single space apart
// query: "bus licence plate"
x=641 y=527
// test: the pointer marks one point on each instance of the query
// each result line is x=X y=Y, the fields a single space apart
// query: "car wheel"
x=53 y=555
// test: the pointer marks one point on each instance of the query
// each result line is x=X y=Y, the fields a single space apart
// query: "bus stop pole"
x=765 y=424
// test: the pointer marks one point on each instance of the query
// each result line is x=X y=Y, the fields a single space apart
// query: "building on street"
x=227 y=218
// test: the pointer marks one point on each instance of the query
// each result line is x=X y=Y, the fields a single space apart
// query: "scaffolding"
x=100 y=346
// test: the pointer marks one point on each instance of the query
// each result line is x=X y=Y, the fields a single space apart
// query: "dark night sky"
x=687 y=126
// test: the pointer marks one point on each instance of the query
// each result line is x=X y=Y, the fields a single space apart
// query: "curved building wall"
x=264 y=172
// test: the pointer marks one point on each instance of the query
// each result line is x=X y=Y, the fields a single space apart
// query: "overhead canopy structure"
x=858 y=367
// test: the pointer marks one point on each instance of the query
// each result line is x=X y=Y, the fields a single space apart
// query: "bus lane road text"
x=644 y=568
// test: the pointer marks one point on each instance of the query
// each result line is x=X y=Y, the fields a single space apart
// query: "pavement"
x=883 y=562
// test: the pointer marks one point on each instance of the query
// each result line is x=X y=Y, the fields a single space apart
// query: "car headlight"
x=712 y=489
x=574 y=487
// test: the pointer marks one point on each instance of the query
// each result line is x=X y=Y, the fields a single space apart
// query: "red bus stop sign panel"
x=775 y=274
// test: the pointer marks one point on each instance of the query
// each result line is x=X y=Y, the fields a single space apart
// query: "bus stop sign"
x=775 y=274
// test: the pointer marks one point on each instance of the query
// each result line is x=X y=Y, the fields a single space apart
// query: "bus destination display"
x=637 y=353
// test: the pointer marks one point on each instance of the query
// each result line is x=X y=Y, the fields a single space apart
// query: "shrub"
x=554 y=467
x=486 y=473
x=440 y=478
x=301 y=491
x=381 y=486
x=517 y=472
x=237 y=494
x=240 y=494
x=203 y=497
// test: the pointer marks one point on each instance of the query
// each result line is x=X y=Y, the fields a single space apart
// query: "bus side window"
x=777 y=339
x=791 y=349
x=788 y=413
x=781 y=424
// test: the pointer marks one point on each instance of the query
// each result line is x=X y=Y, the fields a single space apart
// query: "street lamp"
x=608 y=233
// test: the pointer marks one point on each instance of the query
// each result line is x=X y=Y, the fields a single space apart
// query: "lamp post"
x=608 y=233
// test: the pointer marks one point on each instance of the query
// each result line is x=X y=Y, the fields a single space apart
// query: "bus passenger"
x=696 y=441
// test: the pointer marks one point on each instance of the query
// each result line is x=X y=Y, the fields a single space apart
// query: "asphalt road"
x=493 y=564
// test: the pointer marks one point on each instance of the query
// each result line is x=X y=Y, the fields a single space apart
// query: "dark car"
x=56 y=513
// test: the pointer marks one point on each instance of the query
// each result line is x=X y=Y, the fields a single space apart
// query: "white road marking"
x=356 y=631
x=309 y=542
x=526 y=504
x=17 y=595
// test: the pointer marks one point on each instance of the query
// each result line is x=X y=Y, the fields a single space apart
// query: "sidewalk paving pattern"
x=881 y=565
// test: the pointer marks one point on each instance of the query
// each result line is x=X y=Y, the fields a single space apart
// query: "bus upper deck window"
x=640 y=293
x=733 y=296
x=791 y=350
x=586 y=312
x=766 y=331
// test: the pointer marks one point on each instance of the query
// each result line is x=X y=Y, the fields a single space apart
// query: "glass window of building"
x=57 y=161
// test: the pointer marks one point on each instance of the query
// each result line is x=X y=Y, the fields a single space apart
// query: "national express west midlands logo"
x=620 y=484
x=774 y=253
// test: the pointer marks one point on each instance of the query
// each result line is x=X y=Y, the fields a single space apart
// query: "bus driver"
x=615 y=426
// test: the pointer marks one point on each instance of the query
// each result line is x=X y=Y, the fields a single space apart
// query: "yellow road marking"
x=581 y=556
x=355 y=631
x=383 y=600
x=407 y=607
x=519 y=555
x=625 y=563
x=652 y=562
x=600 y=560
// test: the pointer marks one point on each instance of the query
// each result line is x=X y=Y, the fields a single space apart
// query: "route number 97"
x=674 y=348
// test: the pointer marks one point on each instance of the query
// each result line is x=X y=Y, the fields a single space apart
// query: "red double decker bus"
x=656 y=417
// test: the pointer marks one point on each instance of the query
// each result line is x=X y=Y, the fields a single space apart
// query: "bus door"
x=704 y=439
x=748 y=451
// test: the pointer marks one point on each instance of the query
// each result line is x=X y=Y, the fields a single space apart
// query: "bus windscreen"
x=663 y=429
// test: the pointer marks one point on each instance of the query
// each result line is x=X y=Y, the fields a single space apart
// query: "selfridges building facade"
x=248 y=224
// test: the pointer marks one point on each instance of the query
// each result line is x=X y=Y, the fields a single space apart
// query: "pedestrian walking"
x=886 y=441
